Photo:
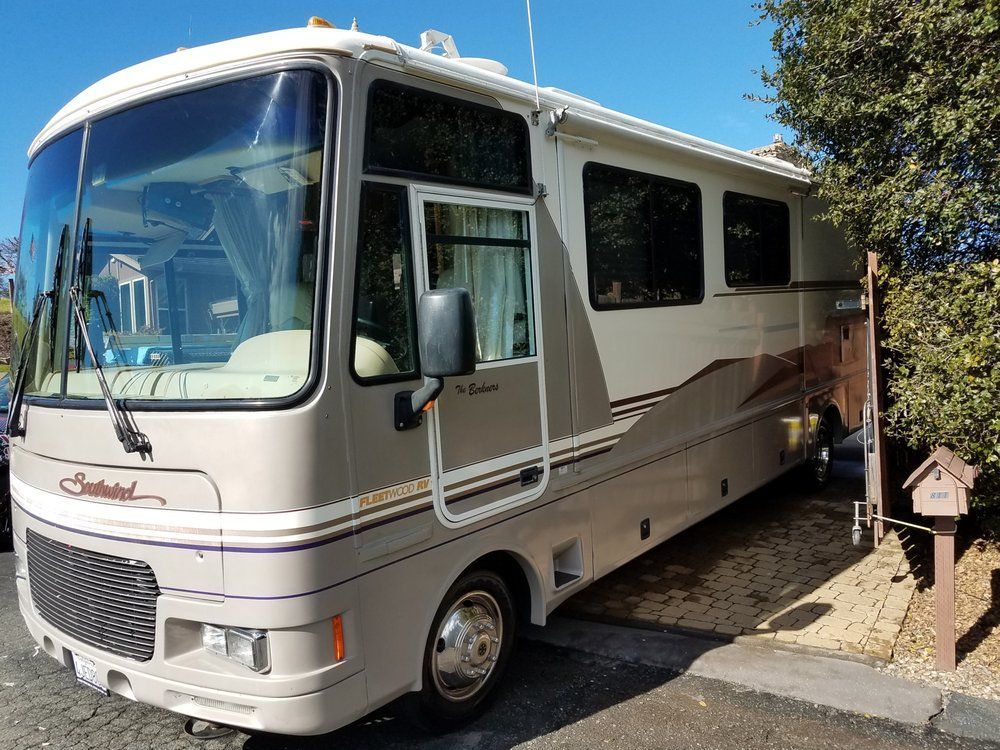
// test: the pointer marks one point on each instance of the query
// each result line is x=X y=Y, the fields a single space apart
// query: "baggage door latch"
x=530 y=475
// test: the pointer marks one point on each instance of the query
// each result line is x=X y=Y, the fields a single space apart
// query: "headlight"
x=244 y=646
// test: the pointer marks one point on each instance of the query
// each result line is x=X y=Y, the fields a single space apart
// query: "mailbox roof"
x=963 y=473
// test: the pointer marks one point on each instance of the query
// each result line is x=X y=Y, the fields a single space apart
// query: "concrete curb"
x=823 y=680
x=754 y=641
x=969 y=717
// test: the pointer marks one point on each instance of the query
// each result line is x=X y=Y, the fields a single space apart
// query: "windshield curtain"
x=196 y=244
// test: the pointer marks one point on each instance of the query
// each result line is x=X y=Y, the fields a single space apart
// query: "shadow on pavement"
x=545 y=690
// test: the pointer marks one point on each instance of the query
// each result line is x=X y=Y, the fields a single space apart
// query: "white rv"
x=340 y=359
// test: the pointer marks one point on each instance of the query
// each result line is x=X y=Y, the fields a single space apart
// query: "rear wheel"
x=822 y=461
x=467 y=652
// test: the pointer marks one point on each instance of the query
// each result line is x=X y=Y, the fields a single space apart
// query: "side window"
x=415 y=132
x=487 y=251
x=757 y=241
x=384 y=345
x=644 y=239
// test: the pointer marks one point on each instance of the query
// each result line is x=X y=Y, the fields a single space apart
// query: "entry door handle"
x=530 y=475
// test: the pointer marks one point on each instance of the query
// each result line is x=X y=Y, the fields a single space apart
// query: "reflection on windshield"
x=197 y=241
x=49 y=204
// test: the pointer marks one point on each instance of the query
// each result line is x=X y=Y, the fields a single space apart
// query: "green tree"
x=9 y=249
x=897 y=103
x=943 y=338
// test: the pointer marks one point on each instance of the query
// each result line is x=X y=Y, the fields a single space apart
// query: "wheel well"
x=832 y=416
x=507 y=566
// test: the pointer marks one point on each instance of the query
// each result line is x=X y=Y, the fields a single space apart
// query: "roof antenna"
x=534 y=68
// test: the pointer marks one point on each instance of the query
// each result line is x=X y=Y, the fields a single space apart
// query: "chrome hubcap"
x=467 y=645
x=822 y=460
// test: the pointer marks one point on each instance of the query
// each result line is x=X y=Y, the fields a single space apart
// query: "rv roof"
x=162 y=73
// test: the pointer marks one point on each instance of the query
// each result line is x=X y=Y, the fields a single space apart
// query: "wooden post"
x=944 y=592
x=877 y=385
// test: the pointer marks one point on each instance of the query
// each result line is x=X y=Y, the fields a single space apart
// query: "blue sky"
x=682 y=63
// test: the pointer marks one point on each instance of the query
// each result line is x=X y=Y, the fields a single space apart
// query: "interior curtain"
x=495 y=277
x=255 y=233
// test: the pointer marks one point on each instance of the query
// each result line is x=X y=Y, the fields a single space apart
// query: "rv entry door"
x=488 y=433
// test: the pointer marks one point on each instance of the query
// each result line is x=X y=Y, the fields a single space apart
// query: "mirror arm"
x=411 y=405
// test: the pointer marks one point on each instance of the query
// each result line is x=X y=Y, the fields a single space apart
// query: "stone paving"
x=778 y=565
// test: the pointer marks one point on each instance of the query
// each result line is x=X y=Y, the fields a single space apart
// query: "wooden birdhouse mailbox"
x=941 y=485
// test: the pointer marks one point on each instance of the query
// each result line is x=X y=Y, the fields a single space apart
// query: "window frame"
x=367 y=169
x=788 y=221
x=652 y=178
x=407 y=234
x=133 y=319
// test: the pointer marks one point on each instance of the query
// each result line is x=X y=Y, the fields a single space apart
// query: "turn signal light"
x=339 y=652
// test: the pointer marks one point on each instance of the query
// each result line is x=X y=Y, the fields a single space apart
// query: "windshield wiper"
x=132 y=440
x=14 y=428
x=104 y=316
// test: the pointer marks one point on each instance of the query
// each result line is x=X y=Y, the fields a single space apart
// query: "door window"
x=487 y=251
x=384 y=346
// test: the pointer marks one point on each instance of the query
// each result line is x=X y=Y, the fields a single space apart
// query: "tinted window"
x=46 y=229
x=644 y=244
x=418 y=132
x=757 y=241
x=383 y=333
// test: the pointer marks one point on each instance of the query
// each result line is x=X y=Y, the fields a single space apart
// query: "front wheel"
x=467 y=651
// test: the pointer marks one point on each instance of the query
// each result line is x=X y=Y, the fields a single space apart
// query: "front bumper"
x=307 y=693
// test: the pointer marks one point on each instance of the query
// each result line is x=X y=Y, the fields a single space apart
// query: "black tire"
x=819 y=466
x=478 y=619
x=6 y=521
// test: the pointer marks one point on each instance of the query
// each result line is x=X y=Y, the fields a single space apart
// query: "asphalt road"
x=553 y=698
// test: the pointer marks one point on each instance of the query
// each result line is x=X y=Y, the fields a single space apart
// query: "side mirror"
x=446 y=322
x=447 y=326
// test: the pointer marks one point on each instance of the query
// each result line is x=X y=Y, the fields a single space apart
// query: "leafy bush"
x=942 y=341
x=897 y=102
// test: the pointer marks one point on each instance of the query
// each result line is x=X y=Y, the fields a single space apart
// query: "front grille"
x=108 y=602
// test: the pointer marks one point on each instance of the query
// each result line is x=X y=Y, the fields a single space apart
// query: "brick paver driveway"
x=778 y=565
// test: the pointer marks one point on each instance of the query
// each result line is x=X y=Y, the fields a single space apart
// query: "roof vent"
x=433 y=38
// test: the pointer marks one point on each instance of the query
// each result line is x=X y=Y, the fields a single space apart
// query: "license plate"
x=86 y=674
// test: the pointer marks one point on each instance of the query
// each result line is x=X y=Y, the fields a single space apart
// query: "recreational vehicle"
x=340 y=359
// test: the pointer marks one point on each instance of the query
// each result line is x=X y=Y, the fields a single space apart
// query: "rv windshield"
x=196 y=245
